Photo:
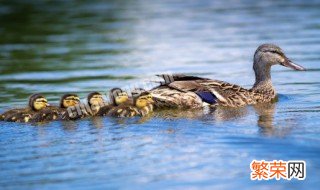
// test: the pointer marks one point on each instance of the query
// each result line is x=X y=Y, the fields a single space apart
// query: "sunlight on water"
x=58 y=47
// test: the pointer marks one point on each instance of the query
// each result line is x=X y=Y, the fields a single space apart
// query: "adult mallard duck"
x=37 y=103
x=181 y=91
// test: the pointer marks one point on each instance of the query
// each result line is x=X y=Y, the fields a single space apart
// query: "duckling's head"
x=117 y=96
x=37 y=102
x=95 y=99
x=69 y=100
x=143 y=100
x=137 y=92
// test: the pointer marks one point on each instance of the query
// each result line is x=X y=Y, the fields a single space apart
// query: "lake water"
x=57 y=47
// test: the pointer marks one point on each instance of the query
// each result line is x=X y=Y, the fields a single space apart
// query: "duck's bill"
x=290 y=64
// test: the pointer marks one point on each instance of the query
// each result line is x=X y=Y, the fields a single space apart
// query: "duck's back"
x=103 y=111
x=194 y=92
x=18 y=115
x=124 y=110
x=50 y=113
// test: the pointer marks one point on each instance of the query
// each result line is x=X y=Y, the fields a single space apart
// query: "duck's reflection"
x=97 y=122
x=228 y=114
x=266 y=121
x=69 y=125
x=264 y=114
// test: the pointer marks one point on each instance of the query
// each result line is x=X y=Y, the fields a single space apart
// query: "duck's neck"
x=263 y=77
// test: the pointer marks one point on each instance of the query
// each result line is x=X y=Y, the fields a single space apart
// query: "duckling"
x=71 y=107
x=37 y=102
x=49 y=113
x=100 y=108
x=95 y=103
x=119 y=97
x=142 y=105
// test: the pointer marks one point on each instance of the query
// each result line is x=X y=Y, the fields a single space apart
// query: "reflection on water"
x=266 y=117
x=81 y=46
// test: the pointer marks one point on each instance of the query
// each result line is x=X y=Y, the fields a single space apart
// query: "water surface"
x=58 y=47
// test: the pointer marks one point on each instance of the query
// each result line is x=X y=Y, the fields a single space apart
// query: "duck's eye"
x=276 y=52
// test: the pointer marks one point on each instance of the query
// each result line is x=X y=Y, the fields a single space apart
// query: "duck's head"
x=117 y=96
x=69 y=100
x=143 y=100
x=268 y=55
x=95 y=99
x=37 y=102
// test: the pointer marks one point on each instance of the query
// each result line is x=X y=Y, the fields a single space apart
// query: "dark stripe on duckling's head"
x=137 y=92
x=69 y=100
x=94 y=95
x=38 y=99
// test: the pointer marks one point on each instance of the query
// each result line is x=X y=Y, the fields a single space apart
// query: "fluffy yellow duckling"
x=71 y=107
x=37 y=102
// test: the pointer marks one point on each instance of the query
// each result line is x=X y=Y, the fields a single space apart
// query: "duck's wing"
x=189 y=91
x=177 y=97
x=186 y=86
x=182 y=91
x=227 y=94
